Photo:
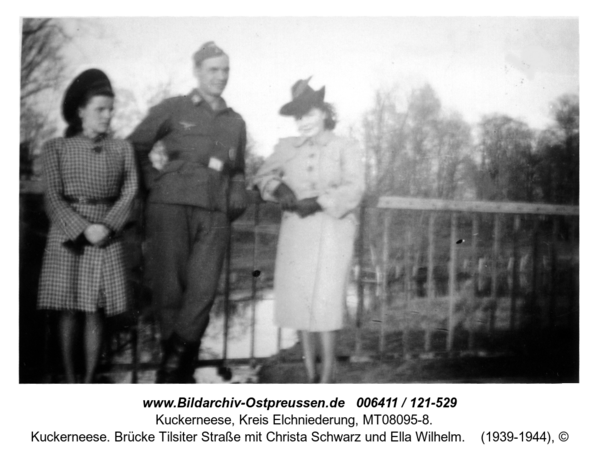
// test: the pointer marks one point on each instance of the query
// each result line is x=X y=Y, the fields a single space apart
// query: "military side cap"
x=207 y=50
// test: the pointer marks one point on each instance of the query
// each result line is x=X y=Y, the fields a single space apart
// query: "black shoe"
x=189 y=363
x=175 y=359
x=160 y=373
x=179 y=361
x=225 y=372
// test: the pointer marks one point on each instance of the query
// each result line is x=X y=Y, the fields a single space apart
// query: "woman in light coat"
x=318 y=178
x=91 y=182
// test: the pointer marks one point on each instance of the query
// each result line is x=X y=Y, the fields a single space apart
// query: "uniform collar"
x=197 y=99
x=321 y=140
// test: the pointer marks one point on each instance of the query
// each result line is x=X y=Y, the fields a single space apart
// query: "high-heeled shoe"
x=314 y=380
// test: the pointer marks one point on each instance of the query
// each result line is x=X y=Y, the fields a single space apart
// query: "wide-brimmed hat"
x=91 y=79
x=304 y=98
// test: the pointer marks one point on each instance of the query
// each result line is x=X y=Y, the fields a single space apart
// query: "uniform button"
x=310 y=168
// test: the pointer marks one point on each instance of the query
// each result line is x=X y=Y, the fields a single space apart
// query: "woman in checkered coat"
x=91 y=182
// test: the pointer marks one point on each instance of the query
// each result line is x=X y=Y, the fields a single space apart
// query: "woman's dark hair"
x=75 y=126
x=327 y=108
x=331 y=116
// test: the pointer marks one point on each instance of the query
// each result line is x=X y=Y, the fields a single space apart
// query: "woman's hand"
x=307 y=206
x=96 y=234
x=286 y=197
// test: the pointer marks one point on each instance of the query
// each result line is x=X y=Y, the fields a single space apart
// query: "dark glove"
x=76 y=245
x=286 y=197
x=238 y=201
x=307 y=206
x=107 y=240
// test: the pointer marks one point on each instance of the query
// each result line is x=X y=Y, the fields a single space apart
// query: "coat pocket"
x=170 y=167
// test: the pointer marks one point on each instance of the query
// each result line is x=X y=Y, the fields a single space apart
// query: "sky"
x=476 y=65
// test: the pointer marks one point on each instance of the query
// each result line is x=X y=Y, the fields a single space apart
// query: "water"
x=239 y=345
x=240 y=337
x=266 y=332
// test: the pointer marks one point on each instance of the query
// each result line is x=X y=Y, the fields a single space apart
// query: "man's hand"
x=96 y=234
x=238 y=201
x=286 y=197
x=307 y=206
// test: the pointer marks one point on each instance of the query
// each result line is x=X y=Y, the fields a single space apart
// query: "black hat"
x=304 y=98
x=90 y=80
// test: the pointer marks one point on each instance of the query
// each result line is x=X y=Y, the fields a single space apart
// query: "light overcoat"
x=78 y=168
x=314 y=254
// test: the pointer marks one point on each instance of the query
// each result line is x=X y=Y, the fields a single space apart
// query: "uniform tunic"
x=205 y=151
x=314 y=253
x=75 y=169
x=186 y=219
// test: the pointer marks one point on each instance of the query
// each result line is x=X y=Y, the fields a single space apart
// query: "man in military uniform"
x=190 y=204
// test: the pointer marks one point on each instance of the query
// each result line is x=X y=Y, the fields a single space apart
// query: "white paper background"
x=104 y=409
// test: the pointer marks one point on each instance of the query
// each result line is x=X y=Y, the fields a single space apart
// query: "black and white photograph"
x=294 y=200
x=381 y=198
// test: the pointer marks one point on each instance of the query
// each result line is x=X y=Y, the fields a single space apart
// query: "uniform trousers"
x=186 y=249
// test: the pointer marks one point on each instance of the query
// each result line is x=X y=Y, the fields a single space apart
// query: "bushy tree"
x=507 y=169
x=414 y=148
x=558 y=150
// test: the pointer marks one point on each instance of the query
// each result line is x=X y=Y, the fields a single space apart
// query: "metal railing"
x=432 y=212
x=403 y=248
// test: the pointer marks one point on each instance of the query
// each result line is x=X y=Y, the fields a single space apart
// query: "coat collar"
x=320 y=140
x=197 y=99
x=97 y=139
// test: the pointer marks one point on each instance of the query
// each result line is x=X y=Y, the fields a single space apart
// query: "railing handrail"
x=419 y=204
x=494 y=207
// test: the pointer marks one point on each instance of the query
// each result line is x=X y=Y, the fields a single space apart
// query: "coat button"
x=310 y=168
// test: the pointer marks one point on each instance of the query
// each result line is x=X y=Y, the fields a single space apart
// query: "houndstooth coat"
x=93 y=278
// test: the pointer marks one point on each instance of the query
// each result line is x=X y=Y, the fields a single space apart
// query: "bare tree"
x=451 y=157
x=253 y=160
x=424 y=131
x=385 y=143
x=42 y=70
x=415 y=150
x=131 y=106
x=42 y=64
